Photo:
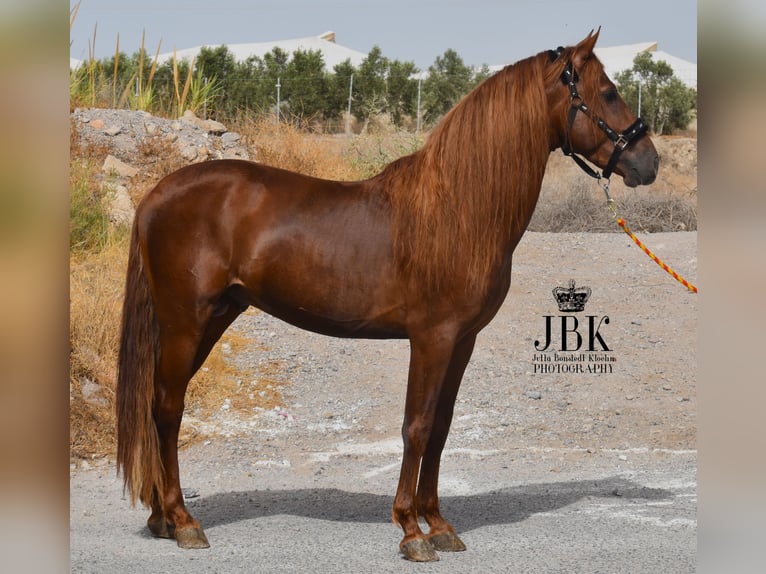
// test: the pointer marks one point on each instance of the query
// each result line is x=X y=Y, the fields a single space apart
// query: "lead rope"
x=621 y=222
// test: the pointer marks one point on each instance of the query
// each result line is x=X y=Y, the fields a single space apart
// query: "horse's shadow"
x=503 y=506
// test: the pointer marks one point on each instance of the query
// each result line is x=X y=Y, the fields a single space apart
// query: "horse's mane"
x=473 y=186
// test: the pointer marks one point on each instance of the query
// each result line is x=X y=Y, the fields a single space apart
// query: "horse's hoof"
x=446 y=542
x=159 y=528
x=419 y=550
x=191 y=537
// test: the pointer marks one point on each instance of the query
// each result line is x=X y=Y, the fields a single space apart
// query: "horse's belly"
x=333 y=321
x=332 y=300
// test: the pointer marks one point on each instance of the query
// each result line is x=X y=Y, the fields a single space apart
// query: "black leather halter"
x=621 y=140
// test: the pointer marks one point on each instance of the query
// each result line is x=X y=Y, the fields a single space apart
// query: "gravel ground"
x=543 y=472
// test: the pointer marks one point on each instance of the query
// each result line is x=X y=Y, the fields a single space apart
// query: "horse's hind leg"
x=183 y=352
x=442 y=535
x=179 y=348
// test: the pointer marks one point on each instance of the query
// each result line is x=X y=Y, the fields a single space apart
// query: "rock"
x=112 y=165
x=234 y=153
x=230 y=138
x=92 y=393
x=130 y=128
x=189 y=152
x=213 y=127
x=120 y=205
x=535 y=395
x=210 y=126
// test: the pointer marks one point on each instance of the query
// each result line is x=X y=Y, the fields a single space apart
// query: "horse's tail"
x=138 y=450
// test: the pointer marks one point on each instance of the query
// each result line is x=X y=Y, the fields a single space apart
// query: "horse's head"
x=589 y=117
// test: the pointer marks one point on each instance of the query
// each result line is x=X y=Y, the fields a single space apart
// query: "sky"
x=492 y=32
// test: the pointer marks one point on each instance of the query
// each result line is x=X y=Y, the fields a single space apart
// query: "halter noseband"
x=621 y=141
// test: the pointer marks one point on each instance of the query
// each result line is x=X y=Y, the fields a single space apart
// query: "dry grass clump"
x=584 y=208
x=285 y=146
x=158 y=156
x=95 y=299
x=370 y=153
x=570 y=201
x=338 y=157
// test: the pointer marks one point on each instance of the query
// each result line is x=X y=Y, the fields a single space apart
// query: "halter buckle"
x=622 y=142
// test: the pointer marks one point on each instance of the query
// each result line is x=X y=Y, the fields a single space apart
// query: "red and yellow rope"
x=657 y=260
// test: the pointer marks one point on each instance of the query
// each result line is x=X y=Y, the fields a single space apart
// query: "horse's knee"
x=415 y=435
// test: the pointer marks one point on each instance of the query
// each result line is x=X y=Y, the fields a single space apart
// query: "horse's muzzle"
x=642 y=175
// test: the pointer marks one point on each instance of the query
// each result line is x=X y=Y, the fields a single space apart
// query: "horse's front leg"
x=442 y=535
x=430 y=356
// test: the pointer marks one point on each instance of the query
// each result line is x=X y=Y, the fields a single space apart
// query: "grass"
x=98 y=252
x=95 y=294
x=88 y=220
x=338 y=157
x=285 y=145
x=570 y=201
x=582 y=207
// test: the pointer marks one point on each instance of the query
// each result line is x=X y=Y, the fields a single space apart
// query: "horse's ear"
x=584 y=49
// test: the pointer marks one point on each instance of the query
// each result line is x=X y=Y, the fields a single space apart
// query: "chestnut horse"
x=421 y=251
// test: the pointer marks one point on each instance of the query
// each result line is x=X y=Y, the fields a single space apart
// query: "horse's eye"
x=610 y=96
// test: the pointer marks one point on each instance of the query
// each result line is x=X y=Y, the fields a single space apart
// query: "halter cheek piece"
x=621 y=140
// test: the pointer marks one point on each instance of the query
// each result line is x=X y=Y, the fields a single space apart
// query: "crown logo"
x=571 y=299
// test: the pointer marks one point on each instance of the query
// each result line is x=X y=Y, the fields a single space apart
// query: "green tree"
x=666 y=104
x=274 y=69
x=338 y=83
x=306 y=84
x=480 y=75
x=244 y=91
x=163 y=81
x=449 y=79
x=219 y=64
x=401 y=90
x=370 y=85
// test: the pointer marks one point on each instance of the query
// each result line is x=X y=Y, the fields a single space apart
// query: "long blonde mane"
x=471 y=189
